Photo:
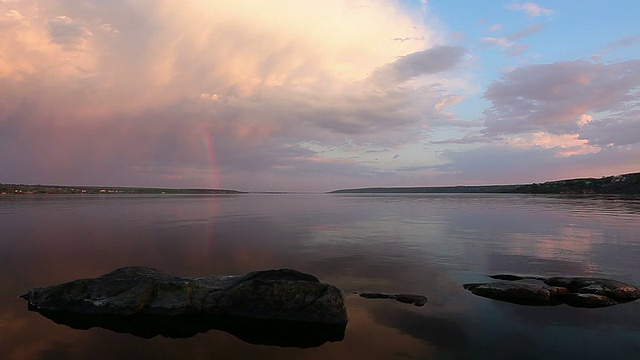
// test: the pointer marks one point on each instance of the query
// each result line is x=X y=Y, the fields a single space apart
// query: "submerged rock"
x=573 y=291
x=142 y=295
x=414 y=299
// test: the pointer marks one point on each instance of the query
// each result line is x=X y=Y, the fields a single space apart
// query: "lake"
x=427 y=244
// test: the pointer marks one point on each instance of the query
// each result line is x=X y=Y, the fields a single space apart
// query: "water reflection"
x=252 y=331
x=427 y=244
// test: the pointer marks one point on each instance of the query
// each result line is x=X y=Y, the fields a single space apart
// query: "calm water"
x=428 y=244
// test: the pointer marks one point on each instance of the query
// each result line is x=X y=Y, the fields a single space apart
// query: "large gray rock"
x=272 y=294
x=143 y=295
x=573 y=291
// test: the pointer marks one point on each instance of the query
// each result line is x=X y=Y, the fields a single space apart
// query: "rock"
x=587 y=300
x=514 y=292
x=573 y=291
x=414 y=299
x=417 y=300
x=376 y=295
x=613 y=289
x=279 y=296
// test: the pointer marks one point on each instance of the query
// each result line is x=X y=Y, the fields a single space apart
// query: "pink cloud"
x=508 y=43
x=564 y=145
x=529 y=8
x=554 y=97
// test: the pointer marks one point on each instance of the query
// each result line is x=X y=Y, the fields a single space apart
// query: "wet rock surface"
x=147 y=302
x=613 y=289
x=414 y=299
x=573 y=291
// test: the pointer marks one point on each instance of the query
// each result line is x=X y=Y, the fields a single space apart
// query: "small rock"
x=417 y=300
x=573 y=291
x=414 y=299
x=376 y=296
x=513 y=292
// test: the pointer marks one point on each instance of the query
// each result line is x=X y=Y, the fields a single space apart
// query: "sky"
x=317 y=95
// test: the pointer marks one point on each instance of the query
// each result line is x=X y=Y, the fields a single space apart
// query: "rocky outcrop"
x=273 y=299
x=573 y=291
x=414 y=299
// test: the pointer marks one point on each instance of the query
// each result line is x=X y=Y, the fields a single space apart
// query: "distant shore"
x=620 y=184
x=20 y=189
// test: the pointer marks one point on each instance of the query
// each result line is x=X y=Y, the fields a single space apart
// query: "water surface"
x=428 y=243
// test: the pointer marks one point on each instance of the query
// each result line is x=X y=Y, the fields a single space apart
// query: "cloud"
x=565 y=145
x=614 y=131
x=529 y=8
x=573 y=118
x=65 y=31
x=430 y=61
x=626 y=41
x=529 y=30
x=553 y=97
x=508 y=43
x=505 y=164
x=412 y=38
x=199 y=93
x=472 y=138
x=448 y=101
